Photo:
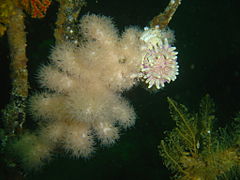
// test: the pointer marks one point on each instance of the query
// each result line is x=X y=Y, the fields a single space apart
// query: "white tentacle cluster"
x=159 y=62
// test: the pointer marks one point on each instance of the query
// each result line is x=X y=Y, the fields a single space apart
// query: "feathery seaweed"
x=193 y=150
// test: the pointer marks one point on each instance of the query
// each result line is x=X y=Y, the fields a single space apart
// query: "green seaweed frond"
x=186 y=125
x=193 y=149
x=205 y=123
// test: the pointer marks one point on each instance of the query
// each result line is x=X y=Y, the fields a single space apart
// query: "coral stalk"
x=163 y=19
x=66 y=19
x=14 y=113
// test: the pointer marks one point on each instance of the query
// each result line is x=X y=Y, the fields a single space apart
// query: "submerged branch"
x=163 y=19
x=14 y=114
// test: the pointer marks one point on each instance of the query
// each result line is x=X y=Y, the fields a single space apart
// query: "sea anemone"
x=159 y=63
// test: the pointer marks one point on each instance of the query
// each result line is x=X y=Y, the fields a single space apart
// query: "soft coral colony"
x=84 y=81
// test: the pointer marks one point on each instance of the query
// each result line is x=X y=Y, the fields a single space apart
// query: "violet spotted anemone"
x=159 y=62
